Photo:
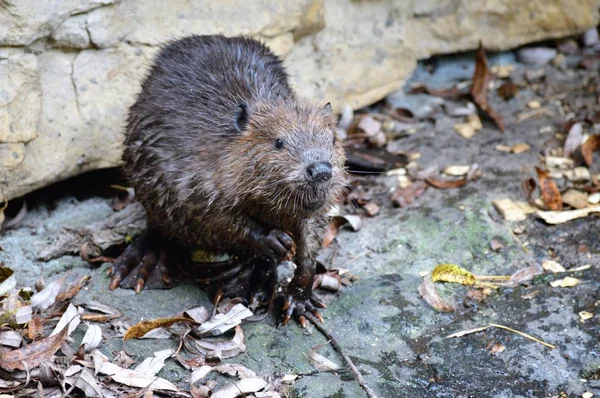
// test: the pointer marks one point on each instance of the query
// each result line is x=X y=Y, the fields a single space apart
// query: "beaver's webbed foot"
x=142 y=264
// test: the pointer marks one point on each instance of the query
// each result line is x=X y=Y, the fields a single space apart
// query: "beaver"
x=226 y=158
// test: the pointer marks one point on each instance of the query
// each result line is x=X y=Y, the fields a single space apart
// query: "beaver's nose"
x=319 y=171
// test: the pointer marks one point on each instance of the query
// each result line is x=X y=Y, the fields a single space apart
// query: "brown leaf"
x=371 y=208
x=35 y=328
x=446 y=184
x=336 y=223
x=429 y=293
x=72 y=291
x=529 y=185
x=550 y=192
x=321 y=363
x=479 y=88
x=497 y=348
x=526 y=274
x=32 y=355
x=590 y=146
x=220 y=348
x=508 y=89
x=144 y=327
x=450 y=93
x=403 y=197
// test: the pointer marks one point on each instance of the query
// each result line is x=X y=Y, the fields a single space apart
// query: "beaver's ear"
x=327 y=108
x=241 y=118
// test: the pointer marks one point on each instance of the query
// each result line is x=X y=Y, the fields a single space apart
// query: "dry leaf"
x=578 y=174
x=241 y=388
x=135 y=379
x=123 y=360
x=553 y=266
x=525 y=274
x=452 y=273
x=507 y=90
x=371 y=208
x=7 y=278
x=520 y=148
x=10 y=338
x=559 y=217
x=109 y=312
x=479 y=88
x=574 y=140
x=585 y=315
x=481 y=329
x=576 y=199
x=221 y=348
x=221 y=323
x=403 y=197
x=429 y=293
x=497 y=348
x=70 y=317
x=456 y=170
x=143 y=327
x=32 y=355
x=198 y=314
x=565 y=282
x=45 y=298
x=87 y=383
x=92 y=338
x=152 y=365
x=321 y=363
x=72 y=291
x=355 y=222
x=513 y=211
x=590 y=146
x=534 y=104
x=550 y=192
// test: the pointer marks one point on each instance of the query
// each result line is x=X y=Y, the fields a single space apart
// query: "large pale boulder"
x=69 y=69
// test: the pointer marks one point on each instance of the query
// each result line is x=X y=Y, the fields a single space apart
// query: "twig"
x=481 y=329
x=357 y=375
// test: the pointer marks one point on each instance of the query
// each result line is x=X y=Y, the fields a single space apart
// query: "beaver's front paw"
x=277 y=244
x=299 y=306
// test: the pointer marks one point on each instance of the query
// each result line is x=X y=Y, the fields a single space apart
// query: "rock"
x=24 y=21
x=536 y=55
x=590 y=37
x=20 y=96
x=70 y=68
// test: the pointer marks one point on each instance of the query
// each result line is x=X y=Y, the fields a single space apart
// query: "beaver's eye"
x=278 y=143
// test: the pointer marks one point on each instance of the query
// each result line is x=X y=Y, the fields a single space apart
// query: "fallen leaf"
x=553 y=266
x=369 y=126
x=550 y=192
x=497 y=348
x=590 y=146
x=10 y=338
x=557 y=162
x=123 y=360
x=559 y=217
x=321 y=363
x=87 y=383
x=32 y=355
x=574 y=140
x=587 y=394
x=576 y=199
x=585 y=315
x=45 y=298
x=23 y=314
x=355 y=222
x=534 y=104
x=446 y=184
x=520 y=148
x=152 y=365
x=198 y=314
x=221 y=348
x=371 y=208
x=513 y=211
x=479 y=88
x=525 y=274
x=452 y=273
x=578 y=174
x=429 y=293
x=496 y=245
x=109 y=312
x=456 y=170
x=565 y=282
x=403 y=197
x=471 y=125
x=289 y=378
x=8 y=279
x=72 y=291
x=92 y=338
x=70 y=317
x=132 y=378
x=507 y=90
x=221 y=323
x=143 y=327
x=241 y=388
x=35 y=328
x=594 y=198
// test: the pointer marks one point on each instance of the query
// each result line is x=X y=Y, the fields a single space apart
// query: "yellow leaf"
x=144 y=327
x=565 y=282
x=452 y=273
x=585 y=315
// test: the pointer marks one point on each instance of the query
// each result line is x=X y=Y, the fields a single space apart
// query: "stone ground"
x=396 y=339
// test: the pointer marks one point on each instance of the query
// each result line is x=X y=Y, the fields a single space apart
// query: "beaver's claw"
x=299 y=306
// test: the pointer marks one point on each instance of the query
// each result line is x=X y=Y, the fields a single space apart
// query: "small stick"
x=357 y=375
